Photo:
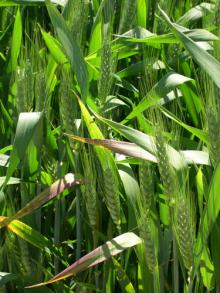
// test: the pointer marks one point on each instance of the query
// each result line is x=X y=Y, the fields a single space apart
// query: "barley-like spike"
x=89 y=189
x=75 y=14
x=184 y=232
x=104 y=84
x=166 y=172
x=112 y=196
x=90 y=200
x=214 y=134
x=145 y=234
x=146 y=184
x=128 y=15
x=67 y=106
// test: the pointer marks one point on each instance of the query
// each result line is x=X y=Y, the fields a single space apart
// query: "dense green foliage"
x=109 y=146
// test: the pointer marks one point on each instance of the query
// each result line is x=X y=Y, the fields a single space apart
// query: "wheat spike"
x=214 y=134
x=128 y=15
x=104 y=84
x=145 y=234
x=146 y=184
x=112 y=196
x=89 y=189
x=184 y=232
x=166 y=171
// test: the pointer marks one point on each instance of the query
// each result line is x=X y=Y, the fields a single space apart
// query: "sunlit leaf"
x=98 y=255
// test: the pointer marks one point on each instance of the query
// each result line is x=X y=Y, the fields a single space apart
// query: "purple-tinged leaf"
x=98 y=255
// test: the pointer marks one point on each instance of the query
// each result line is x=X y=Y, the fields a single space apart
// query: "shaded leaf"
x=6 y=277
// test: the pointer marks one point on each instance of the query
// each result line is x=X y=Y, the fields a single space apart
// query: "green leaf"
x=32 y=236
x=207 y=62
x=4 y=159
x=30 y=2
x=195 y=131
x=122 y=277
x=54 y=47
x=11 y=181
x=6 y=277
x=56 y=188
x=26 y=127
x=98 y=255
x=16 y=40
x=105 y=156
x=71 y=48
x=196 y=12
x=133 y=150
x=207 y=270
x=170 y=81
x=210 y=215
x=141 y=35
x=146 y=142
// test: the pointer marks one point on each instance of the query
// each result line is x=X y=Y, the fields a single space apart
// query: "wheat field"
x=110 y=146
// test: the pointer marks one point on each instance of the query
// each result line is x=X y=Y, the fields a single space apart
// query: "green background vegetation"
x=109 y=146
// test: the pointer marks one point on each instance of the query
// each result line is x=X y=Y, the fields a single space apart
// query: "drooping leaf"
x=169 y=82
x=98 y=255
x=207 y=62
x=71 y=48
x=141 y=35
x=4 y=159
x=54 y=47
x=207 y=270
x=133 y=150
x=30 y=235
x=6 y=277
x=196 y=12
x=26 y=127
x=11 y=181
x=16 y=40
x=68 y=181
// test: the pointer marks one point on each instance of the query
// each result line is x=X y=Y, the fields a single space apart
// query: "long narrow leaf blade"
x=133 y=150
x=68 y=181
x=71 y=48
x=98 y=255
x=207 y=62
